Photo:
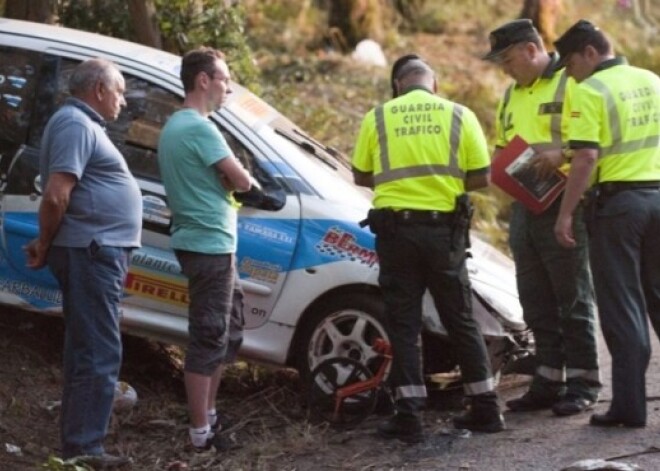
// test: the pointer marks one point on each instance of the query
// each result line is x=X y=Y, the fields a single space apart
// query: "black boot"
x=483 y=415
x=405 y=427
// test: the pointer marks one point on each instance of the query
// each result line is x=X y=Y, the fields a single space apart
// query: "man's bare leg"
x=197 y=390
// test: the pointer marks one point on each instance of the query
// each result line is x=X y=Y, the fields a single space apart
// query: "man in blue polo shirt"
x=86 y=243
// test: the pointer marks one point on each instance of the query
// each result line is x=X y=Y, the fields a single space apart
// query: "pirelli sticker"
x=146 y=285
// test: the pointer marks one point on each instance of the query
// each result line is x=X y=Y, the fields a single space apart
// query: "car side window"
x=19 y=75
x=53 y=89
x=136 y=130
x=18 y=80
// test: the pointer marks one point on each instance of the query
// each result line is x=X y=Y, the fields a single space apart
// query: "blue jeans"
x=91 y=280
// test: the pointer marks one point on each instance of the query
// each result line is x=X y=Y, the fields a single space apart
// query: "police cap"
x=577 y=37
x=510 y=34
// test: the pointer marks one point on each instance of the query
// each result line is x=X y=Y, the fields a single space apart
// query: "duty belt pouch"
x=590 y=207
x=461 y=225
x=382 y=221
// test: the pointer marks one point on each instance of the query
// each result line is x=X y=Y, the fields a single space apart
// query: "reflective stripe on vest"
x=505 y=102
x=452 y=169
x=555 y=121
x=410 y=391
x=618 y=146
x=553 y=374
x=479 y=387
x=591 y=375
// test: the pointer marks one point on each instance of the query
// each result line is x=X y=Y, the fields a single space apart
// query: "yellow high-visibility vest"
x=419 y=147
x=538 y=112
x=617 y=110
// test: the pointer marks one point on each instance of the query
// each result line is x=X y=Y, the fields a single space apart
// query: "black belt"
x=612 y=188
x=416 y=216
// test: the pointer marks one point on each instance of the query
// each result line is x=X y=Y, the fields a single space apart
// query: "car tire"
x=339 y=375
x=344 y=326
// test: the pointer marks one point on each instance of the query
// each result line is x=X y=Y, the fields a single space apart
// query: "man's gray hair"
x=415 y=67
x=88 y=73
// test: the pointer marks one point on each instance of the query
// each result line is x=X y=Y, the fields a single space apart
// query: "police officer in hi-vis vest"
x=554 y=282
x=614 y=135
x=421 y=153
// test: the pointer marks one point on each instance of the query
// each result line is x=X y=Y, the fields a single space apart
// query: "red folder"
x=512 y=173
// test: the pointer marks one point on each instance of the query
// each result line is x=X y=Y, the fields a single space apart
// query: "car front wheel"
x=345 y=326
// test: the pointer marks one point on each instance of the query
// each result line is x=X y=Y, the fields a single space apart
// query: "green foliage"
x=442 y=17
x=427 y=18
x=280 y=11
x=327 y=97
x=646 y=57
x=284 y=27
x=184 y=27
x=108 y=17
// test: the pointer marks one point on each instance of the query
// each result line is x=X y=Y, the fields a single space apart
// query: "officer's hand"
x=546 y=162
x=564 y=231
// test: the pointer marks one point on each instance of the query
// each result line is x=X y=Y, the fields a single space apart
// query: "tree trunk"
x=642 y=11
x=543 y=14
x=40 y=11
x=145 y=25
x=410 y=9
x=350 y=21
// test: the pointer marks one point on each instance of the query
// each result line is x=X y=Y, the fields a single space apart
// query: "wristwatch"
x=568 y=153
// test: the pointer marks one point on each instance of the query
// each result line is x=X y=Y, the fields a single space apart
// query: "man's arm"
x=233 y=175
x=54 y=203
x=363 y=178
x=477 y=179
x=474 y=148
x=582 y=165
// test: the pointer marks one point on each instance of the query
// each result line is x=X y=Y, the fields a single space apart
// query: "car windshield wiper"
x=312 y=146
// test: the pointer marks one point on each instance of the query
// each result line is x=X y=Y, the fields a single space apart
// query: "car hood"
x=493 y=277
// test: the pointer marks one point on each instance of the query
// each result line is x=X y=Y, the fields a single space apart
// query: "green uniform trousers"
x=556 y=294
x=626 y=262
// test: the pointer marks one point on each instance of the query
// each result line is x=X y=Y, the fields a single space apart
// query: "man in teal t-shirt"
x=200 y=172
x=203 y=218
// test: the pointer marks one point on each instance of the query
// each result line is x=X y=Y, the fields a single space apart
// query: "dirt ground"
x=271 y=430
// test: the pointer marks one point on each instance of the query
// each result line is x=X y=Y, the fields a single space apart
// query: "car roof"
x=160 y=66
x=50 y=37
